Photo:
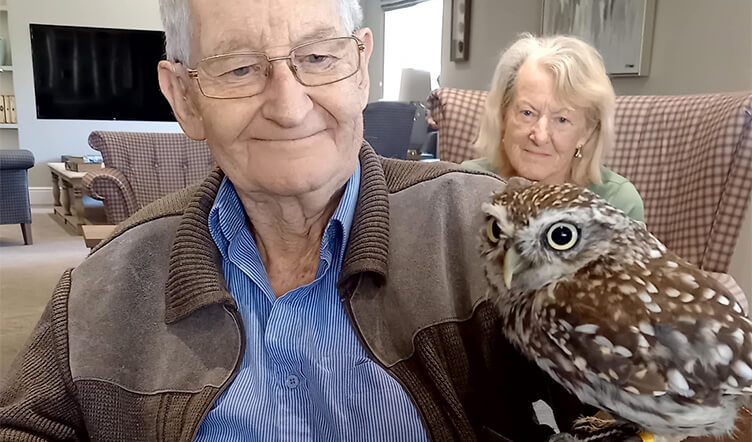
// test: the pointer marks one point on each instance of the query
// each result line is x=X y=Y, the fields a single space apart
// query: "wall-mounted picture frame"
x=621 y=30
x=460 y=32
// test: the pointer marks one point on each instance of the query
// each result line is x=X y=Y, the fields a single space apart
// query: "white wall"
x=49 y=139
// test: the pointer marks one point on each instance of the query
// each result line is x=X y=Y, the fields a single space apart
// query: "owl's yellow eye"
x=562 y=236
x=493 y=231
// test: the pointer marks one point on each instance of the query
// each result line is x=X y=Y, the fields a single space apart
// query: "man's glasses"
x=244 y=74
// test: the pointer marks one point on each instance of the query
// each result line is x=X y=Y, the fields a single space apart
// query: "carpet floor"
x=28 y=275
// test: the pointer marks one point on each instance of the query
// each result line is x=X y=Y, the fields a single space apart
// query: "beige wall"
x=494 y=25
x=373 y=18
x=741 y=262
x=698 y=45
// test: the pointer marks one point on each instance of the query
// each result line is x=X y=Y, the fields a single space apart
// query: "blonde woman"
x=549 y=117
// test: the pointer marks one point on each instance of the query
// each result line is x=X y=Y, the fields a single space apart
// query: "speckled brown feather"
x=621 y=321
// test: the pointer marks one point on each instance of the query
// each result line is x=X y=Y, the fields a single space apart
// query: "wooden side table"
x=68 y=192
x=94 y=234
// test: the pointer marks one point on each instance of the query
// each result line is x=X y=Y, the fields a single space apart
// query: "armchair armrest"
x=112 y=187
x=732 y=286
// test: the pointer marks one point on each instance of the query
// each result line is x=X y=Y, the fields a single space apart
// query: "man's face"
x=289 y=139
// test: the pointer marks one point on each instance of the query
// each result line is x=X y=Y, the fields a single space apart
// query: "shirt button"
x=292 y=382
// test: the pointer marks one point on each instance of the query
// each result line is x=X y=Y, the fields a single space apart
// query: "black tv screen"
x=97 y=74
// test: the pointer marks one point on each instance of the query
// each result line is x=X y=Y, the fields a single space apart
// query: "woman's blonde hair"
x=580 y=80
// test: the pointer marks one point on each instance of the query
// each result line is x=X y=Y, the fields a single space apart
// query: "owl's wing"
x=593 y=344
x=669 y=329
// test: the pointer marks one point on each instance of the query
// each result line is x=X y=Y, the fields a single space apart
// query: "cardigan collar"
x=195 y=278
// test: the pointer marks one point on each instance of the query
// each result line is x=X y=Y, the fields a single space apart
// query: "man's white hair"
x=176 y=19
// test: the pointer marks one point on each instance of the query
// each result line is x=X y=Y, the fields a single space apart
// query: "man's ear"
x=174 y=88
x=366 y=36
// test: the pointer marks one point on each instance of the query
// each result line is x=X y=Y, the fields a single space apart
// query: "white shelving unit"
x=8 y=132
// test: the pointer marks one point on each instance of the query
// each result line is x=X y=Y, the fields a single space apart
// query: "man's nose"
x=287 y=102
x=540 y=132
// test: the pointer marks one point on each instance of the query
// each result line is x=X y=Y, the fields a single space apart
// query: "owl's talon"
x=595 y=429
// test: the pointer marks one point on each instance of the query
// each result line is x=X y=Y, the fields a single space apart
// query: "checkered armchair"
x=143 y=167
x=15 y=207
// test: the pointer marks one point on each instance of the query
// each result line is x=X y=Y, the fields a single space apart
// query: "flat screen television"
x=97 y=73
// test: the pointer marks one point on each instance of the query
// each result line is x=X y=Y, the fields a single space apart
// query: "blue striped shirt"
x=304 y=374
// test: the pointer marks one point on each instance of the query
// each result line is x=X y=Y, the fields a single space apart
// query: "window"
x=412 y=39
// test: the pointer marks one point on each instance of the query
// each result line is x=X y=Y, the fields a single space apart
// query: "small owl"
x=612 y=315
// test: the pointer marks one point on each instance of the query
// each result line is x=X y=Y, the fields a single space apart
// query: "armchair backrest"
x=154 y=164
x=387 y=126
x=689 y=156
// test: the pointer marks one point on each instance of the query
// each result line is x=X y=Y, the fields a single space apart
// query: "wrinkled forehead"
x=536 y=82
x=223 y=26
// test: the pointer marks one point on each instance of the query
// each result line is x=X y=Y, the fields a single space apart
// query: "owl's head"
x=539 y=234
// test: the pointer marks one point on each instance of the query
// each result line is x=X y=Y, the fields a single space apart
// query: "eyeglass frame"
x=194 y=74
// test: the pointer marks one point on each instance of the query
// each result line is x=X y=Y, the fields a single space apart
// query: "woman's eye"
x=527 y=113
x=563 y=120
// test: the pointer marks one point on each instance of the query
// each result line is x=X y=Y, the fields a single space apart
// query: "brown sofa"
x=142 y=167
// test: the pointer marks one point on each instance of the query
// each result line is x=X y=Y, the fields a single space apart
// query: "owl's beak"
x=512 y=263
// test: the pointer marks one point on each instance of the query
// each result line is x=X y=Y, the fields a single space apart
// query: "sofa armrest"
x=112 y=187
x=14 y=159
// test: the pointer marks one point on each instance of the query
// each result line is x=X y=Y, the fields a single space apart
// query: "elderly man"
x=306 y=290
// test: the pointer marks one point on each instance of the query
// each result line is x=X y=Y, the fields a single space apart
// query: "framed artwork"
x=460 y=50
x=621 y=30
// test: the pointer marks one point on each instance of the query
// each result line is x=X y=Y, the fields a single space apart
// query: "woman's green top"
x=615 y=189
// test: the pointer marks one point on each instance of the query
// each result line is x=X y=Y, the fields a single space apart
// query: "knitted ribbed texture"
x=368 y=246
x=41 y=399
x=195 y=260
x=114 y=414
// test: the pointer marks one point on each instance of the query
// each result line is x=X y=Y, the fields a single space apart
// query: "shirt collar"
x=227 y=215
x=346 y=209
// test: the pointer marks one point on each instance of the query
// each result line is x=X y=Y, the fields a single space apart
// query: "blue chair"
x=387 y=126
x=15 y=207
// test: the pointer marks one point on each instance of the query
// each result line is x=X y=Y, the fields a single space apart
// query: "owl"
x=612 y=315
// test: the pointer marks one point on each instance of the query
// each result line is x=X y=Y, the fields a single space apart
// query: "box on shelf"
x=86 y=163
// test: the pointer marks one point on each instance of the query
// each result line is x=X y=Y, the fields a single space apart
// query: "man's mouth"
x=288 y=138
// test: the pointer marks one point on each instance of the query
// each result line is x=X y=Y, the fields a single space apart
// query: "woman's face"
x=541 y=133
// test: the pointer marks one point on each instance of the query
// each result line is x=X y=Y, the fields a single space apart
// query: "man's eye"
x=527 y=113
x=239 y=72
x=245 y=71
x=563 y=120
x=316 y=59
